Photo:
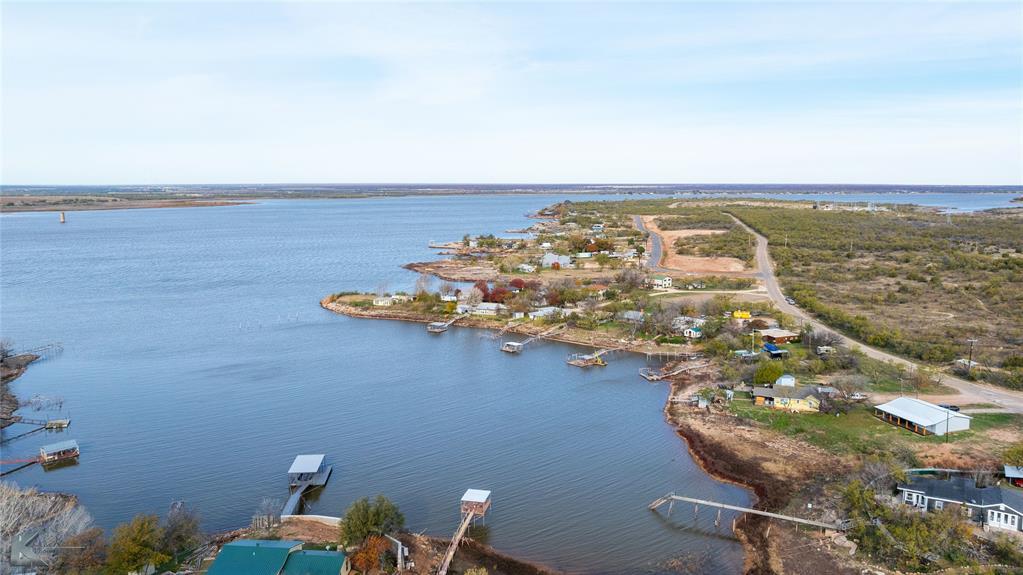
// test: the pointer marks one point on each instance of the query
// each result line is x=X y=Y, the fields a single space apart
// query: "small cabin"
x=476 y=501
x=59 y=451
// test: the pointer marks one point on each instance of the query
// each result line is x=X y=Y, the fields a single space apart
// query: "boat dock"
x=49 y=455
x=671 y=498
x=306 y=472
x=442 y=326
x=589 y=359
x=475 y=504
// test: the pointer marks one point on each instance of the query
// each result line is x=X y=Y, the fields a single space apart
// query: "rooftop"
x=772 y=332
x=307 y=464
x=961 y=488
x=918 y=411
x=60 y=446
x=252 y=557
x=314 y=563
x=476 y=496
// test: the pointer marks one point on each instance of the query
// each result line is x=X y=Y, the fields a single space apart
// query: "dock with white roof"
x=307 y=471
x=475 y=504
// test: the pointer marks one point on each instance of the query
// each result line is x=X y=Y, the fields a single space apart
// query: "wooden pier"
x=671 y=498
x=442 y=326
x=651 y=375
x=475 y=504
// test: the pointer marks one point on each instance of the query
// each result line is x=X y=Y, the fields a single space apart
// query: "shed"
x=785 y=381
x=253 y=557
x=922 y=417
x=1014 y=474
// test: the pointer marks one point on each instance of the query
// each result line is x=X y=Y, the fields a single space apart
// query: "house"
x=777 y=336
x=631 y=316
x=550 y=260
x=1014 y=475
x=692 y=333
x=463 y=308
x=449 y=298
x=583 y=255
x=682 y=322
x=401 y=298
x=787 y=398
x=660 y=281
x=546 y=246
x=526 y=268
x=922 y=417
x=785 y=380
x=992 y=507
x=273 y=557
x=382 y=301
x=696 y=285
x=489 y=308
x=544 y=313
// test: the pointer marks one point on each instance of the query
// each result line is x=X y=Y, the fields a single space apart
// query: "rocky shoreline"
x=11 y=368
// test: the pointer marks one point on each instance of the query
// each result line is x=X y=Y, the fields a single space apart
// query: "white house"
x=526 y=268
x=489 y=308
x=382 y=301
x=583 y=255
x=692 y=332
x=660 y=281
x=449 y=298
x=463 y=308
x=682 y=322
x=546 y=246
x=922 y=417
x=401 y=298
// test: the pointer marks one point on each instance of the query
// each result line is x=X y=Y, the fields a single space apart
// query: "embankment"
x=11 y=369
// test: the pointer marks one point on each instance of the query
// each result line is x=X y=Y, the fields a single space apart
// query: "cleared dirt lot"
x=691 y=264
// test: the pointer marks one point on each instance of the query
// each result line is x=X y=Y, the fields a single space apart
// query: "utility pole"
x=969 y=366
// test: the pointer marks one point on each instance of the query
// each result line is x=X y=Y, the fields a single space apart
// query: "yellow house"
x=741 y=314
x=787 y=398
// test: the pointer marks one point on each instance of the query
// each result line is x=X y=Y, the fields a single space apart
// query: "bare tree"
x=473 y=297
x=382 y=289
x=423 y=284
x=267 y=516
x=447 y=288
x=6 y=348
x=630 y=278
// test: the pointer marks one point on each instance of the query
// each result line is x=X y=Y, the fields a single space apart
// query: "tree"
x=136 y=544
x=630 y=278
x=447 y=288
x=370 y=552
x=1014 y=455
x=423 y=283
x=517 y=283
x=6 y=348
x=474 y=297
x=767 y=372
x=82 y=554
x=364 y=518
x=182 y=530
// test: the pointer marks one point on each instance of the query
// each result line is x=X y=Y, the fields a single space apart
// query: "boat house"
x=922 y=417
x=476 y=501
x=59 y=451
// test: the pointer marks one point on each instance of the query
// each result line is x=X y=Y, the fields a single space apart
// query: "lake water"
x=197 y=364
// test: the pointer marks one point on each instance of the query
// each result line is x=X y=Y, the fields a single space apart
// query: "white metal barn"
x=922 y=417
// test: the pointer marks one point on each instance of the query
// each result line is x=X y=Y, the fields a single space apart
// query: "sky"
x=569 y=92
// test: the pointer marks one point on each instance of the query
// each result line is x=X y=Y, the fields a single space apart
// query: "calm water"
x=197 y=363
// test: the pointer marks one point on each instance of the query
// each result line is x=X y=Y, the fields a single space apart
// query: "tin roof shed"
x=252 y=557
x=314 y=563
x=52 y=448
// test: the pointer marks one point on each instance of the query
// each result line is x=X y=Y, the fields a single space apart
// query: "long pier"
x=671 y=498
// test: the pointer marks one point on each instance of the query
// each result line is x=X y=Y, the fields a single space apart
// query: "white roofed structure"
x=476 y=496
x=922 y=417
x=306 y=464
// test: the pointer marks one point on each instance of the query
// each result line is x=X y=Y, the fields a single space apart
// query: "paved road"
x=970 y=392
x=653 y=260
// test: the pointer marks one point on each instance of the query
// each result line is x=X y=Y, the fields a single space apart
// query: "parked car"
x=790 y=301
x=949 y=407
x=857 y=396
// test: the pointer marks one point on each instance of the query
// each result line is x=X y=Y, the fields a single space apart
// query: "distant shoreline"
x=24 y=204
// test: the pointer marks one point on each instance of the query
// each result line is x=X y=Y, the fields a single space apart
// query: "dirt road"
x=970 y=392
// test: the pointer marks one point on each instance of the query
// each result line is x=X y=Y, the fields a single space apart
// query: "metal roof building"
x=922 y=417
x=253 y=557
x=306 y=464
x=316 y=563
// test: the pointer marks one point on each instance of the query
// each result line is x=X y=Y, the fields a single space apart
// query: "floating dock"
x=49 y=455
x=589 y=359
x=306 y=472
x=513 y=346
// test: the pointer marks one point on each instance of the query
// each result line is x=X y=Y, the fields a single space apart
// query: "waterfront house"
x=1014 y=474
x=383 y=301
x=682 y=322
x=778 y=336
x=401 y=298
x=787 y=398
x=692 y=333
x=276 y=557
x=922 y=417
x=660 y=281
x=785 y=380
x=489 y=309
x=463 y=308
x=526 y=268
x=993 y=507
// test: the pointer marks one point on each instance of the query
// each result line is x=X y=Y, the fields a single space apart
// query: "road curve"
x=970 y=392
x=654 y=247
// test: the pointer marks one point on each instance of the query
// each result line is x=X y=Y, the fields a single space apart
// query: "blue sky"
x=914 y=93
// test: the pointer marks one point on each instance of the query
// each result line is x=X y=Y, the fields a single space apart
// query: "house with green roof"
x=268 y=557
